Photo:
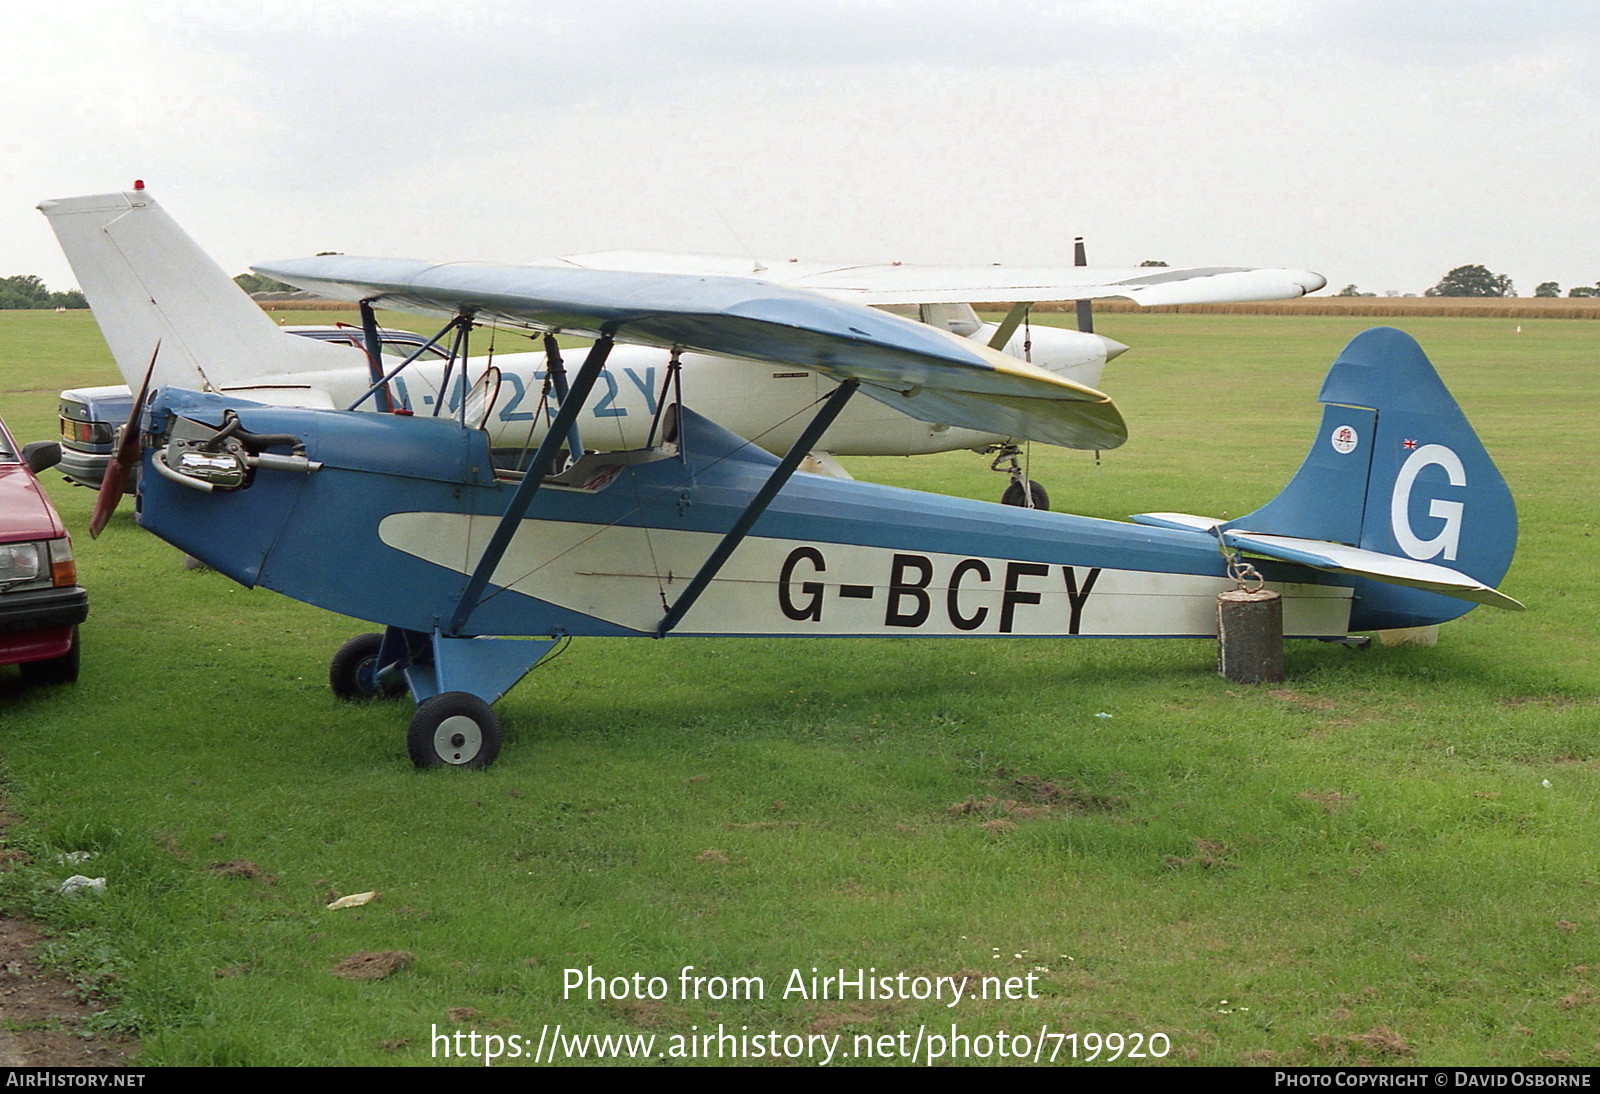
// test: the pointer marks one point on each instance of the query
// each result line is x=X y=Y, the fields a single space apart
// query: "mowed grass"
x=1362 y=864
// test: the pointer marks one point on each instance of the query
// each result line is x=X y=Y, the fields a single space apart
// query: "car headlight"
x=21 y=562
x=37 y=564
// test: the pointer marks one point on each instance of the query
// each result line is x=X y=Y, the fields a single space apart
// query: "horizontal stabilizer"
x=899 y=283
x=1184 y=522
x=927 y=373
x=1341 y=559
x=1380 y=567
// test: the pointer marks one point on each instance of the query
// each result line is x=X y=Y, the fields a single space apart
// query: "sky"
x=1379 y=142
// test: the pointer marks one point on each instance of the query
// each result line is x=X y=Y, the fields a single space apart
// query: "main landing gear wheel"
x=453 y=729
x=1015 y=496
x=353 y=672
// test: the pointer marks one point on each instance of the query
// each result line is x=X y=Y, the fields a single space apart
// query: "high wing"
x=927 y=373
x=896 y=283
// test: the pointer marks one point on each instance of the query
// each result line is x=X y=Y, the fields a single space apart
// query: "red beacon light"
x=138 y=184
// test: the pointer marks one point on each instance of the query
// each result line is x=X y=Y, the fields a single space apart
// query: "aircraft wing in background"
x=897 y=283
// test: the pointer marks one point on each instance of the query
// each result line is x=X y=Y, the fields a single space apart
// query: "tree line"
x=1479 y=281
x=28 y=291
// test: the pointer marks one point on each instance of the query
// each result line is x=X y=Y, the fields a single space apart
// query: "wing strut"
x=458 y=351
x=672 y=384
x=543 y=457
x=558 y=379
x=758 y=504
x=369 y=333
x=1008 y=326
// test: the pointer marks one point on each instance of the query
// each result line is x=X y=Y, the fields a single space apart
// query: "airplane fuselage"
x=610 y=544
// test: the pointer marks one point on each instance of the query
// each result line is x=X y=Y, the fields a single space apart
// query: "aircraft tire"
x=453 y=729
x=351 y=672
x=1014 y=495
x=55 y=670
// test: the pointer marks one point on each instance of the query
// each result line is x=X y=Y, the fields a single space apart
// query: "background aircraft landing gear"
x=1032 y=496
x=1023 y=491
x=453 y=729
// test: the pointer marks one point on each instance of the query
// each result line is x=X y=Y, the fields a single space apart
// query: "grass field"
x=1390 y=858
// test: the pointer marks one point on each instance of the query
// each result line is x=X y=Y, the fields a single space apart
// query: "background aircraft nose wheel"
x=1014 y=495
x=1023 y=491
x=453 y=729
x=353 y=672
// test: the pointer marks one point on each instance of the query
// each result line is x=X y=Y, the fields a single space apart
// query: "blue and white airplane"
x=1397 y=518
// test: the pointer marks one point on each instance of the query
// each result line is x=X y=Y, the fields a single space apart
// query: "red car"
x=41 y=604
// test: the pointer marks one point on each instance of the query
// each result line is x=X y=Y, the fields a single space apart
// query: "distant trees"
x=26 y=291
x=1472 y=281
x=1351 y=290
x=1152 y=262
x=253 y=283
x=1550 y=289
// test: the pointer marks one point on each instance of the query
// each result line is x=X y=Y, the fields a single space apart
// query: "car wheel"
x=453 y=729
x=53 y=670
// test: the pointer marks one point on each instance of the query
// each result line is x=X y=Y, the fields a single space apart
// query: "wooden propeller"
x=123 y=460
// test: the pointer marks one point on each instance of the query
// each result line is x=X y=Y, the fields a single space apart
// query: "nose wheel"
x=453 y=729
x=1023 y=492
x=1027 y=494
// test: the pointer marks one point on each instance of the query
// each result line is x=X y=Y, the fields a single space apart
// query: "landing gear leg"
x=1023 y=491
x=453 y=681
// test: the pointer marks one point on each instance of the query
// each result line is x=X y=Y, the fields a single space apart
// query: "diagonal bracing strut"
x=455 y=321
x=758 y=504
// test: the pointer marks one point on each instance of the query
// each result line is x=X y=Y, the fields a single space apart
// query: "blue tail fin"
x=1395 y=468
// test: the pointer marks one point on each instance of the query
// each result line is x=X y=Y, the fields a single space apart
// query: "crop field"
x=1390 y=858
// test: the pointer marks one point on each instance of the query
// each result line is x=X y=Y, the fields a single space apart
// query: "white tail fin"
x=147 y=281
